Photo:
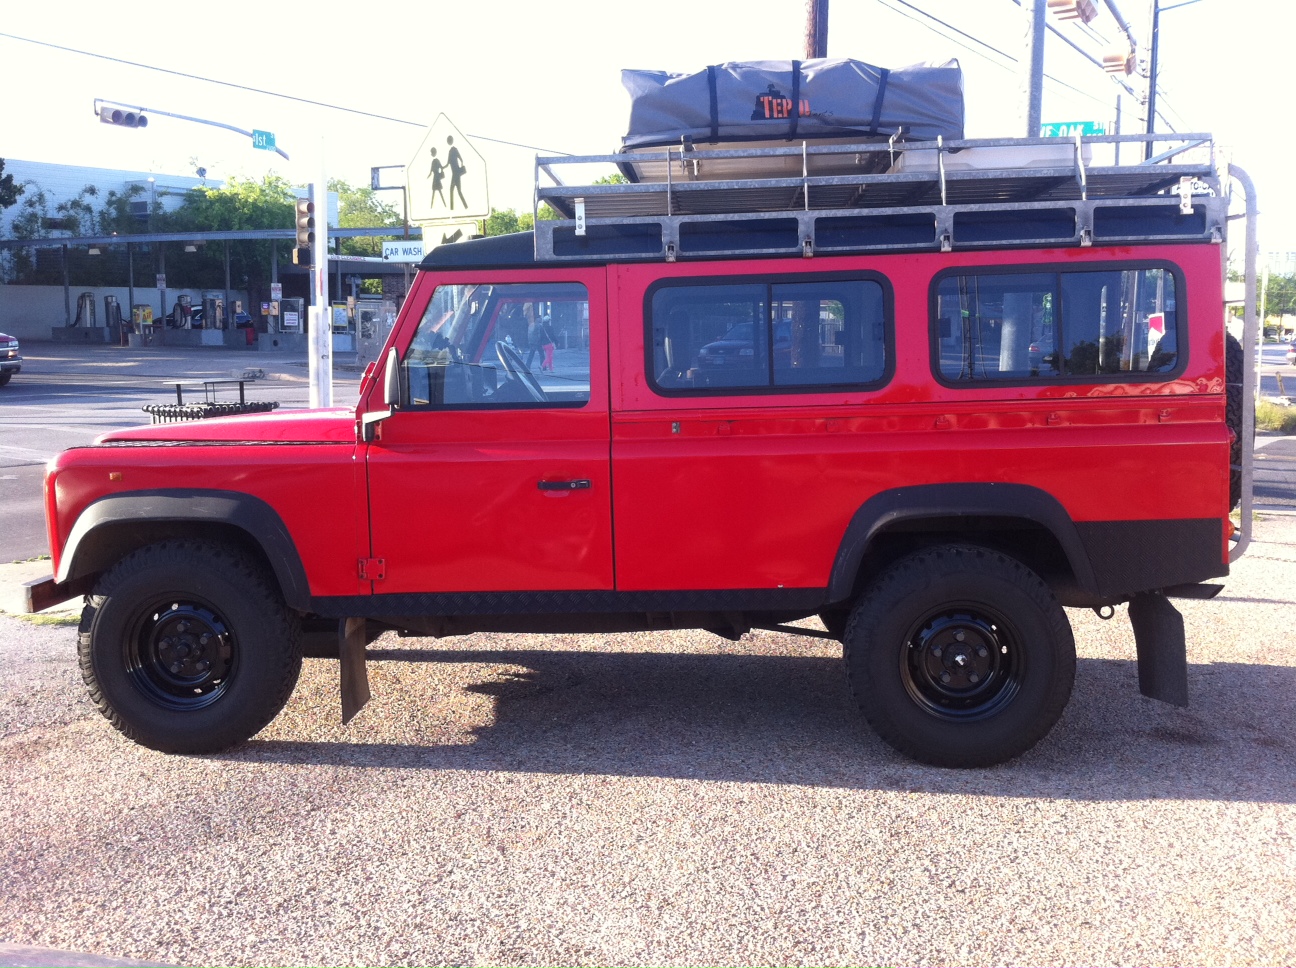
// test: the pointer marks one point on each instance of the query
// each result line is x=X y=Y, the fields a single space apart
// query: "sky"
x=519 y=76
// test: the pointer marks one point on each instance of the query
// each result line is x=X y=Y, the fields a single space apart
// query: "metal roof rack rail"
x=814 y=198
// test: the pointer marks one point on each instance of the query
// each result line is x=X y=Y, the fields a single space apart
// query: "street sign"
x=1069 y=129
x=161 y=280
x=263 y=140
x=410 y=250
x=446 y=179
x=276 y=291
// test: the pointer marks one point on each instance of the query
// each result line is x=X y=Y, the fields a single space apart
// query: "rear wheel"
x=960 y=656
x=187 y=647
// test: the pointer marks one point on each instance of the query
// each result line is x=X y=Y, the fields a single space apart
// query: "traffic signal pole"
x=320 y=367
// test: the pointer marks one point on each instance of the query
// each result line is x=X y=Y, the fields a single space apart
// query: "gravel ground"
x=667 y=799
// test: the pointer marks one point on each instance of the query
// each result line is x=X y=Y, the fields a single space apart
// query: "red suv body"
x=932 y=449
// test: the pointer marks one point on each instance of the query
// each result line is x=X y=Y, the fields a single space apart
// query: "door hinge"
x=373 y=569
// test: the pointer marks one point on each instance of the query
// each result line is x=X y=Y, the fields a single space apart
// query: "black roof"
x=516 y=250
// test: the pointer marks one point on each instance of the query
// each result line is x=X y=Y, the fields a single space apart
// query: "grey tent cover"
x=793 y=100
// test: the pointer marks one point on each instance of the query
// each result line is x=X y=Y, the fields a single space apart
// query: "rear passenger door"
x=728 y=470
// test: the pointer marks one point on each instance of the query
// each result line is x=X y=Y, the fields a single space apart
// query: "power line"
x=948 y=26
x=258 y=90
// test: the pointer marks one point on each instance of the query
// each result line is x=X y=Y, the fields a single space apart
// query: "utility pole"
x=1035 y=12
x=1152 y=76
x=816 y=35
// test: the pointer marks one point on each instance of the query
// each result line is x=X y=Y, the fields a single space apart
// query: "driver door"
x=494 y=475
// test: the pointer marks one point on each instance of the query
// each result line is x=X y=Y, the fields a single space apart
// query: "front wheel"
x=187 y=647
x=960 y=656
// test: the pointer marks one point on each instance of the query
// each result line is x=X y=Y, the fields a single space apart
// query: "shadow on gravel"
x=786 y=719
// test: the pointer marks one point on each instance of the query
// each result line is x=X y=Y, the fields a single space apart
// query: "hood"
x=335 y=425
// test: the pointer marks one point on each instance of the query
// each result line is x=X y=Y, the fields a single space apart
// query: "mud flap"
x=352 y=638
x=1162 y=648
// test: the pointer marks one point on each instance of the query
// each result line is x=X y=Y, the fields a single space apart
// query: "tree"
x=361 y=208
x=507 y=221
x=9 y=192
x=240 y=205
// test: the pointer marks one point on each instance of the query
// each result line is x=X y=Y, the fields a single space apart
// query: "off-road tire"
x=187 y=647
x=1234 y=361
x=980 y=618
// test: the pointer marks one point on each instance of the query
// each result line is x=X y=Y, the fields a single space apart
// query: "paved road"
x=67 y=395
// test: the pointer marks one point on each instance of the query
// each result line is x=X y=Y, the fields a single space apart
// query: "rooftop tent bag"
x=837 y=99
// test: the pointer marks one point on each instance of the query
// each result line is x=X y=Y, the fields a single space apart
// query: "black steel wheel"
x=187 y=647
x=960 y=656
x=181 y=653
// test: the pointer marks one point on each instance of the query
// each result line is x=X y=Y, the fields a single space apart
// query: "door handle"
x=578 y=485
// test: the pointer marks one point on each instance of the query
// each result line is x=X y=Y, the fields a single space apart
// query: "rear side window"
x=1050 y=326
x=737 y=336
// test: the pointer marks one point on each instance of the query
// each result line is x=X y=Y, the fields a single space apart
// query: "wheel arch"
x=113 y=526
x=1012 y=518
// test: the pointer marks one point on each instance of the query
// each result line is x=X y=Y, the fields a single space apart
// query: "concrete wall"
x=30 y=312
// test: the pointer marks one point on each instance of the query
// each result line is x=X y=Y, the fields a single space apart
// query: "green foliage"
x=9 y=192
x=1275 y=417
x=240 y=205
x=361 y=208
x=1280 y=295
x=506 y=221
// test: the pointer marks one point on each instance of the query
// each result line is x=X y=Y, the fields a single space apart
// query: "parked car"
x=10 y=358
x=1291 y=353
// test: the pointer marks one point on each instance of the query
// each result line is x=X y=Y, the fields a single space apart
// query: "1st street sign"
x=263 y=140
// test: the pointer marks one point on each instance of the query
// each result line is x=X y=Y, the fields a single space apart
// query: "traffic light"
x=1118 y=60
x=126 y=117
x=305 y=232
x=1083 y=10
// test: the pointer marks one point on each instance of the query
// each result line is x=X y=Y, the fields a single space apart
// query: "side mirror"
x=391 y=398
x=391 y=380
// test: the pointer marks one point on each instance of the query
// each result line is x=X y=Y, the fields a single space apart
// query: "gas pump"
x=213 y=310
x=85 y=310
x=182 y=314
x=113 y=316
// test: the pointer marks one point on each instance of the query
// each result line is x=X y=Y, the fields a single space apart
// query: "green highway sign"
x=263 y=140
x=1069 y=129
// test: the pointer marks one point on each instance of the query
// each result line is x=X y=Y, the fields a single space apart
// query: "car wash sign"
x=406 y=250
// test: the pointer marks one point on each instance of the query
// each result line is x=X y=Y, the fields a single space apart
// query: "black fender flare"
x=262 y=524
x=953 y=501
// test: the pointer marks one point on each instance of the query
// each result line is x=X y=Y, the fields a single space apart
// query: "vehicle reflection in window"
x=1042 y=326
x=766 y=336
x=509 y=346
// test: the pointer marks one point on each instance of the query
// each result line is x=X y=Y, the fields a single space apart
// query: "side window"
x=512 y=345
x=766 y=336
x=1043 y=326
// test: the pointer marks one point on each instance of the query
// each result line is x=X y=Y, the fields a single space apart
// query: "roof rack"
x=810 y=198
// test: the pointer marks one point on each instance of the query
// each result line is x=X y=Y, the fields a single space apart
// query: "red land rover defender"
x=931 y=404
